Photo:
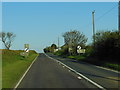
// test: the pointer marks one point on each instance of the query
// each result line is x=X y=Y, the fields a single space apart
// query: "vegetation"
x=107 y=46
x=104 y=52
x=7 y=39
x=72 y=39
x=96 y=61
x=77 y=57
x=14 y=66
x=50 y=49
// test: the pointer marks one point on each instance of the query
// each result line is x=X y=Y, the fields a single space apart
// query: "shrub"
x=88 y=51
x=107 y=45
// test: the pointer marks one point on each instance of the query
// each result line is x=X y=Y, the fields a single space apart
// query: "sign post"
x=26 y=46
x=78 y=49
x=26 y=50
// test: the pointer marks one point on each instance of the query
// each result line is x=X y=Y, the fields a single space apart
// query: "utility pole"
x=93 y=27
x=119 y=16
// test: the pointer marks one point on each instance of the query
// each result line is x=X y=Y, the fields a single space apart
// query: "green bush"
x=77 y=57
x=58 y=53
x=113 y=66
x=88 y=51
x=63 y=52
x=107 y=45
x=71 y=57
x=80 y=57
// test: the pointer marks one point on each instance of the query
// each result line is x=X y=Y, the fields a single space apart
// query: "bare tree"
x=7 y=39
x=74 y=37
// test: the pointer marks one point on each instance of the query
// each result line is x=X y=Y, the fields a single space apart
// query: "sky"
x=59 y=0
x=39 y=24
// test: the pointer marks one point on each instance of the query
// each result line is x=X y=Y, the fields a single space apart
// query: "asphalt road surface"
x=46 y=73
x=103 y=77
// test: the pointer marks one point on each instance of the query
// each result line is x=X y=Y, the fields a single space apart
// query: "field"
x=14 y=66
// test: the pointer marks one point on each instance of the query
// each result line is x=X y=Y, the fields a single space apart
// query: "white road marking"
x=94 y=83
x=108 y=69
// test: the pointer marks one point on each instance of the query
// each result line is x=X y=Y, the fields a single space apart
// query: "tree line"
x=106 y=45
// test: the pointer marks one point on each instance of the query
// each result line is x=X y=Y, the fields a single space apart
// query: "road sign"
x=27 y=50
x=81 y=51
x=26 y=46
x=79 y=47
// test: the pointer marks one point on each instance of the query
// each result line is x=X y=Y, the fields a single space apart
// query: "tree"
x=7 y=39
x=47 y=49
x=53 y=47
x=107 y=45
x=50 y=48
x=74 y=38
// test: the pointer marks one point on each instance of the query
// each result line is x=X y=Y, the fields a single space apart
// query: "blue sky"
x=40 y=23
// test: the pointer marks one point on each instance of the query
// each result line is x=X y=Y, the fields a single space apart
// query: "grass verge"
x=14 y=66
x=96 y=61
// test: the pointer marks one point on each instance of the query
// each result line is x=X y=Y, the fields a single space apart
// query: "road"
x=46 y=73
x=103 y=77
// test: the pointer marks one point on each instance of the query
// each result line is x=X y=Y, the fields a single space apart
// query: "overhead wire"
x=106 y=13
x=96 y=20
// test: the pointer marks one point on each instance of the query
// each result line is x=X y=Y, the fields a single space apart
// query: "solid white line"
x=104 y=68
x=108 y=69
x=25 y=73
x=94 y=83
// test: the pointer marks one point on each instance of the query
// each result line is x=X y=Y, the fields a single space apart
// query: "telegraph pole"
x=93 y=27
x=119 y=16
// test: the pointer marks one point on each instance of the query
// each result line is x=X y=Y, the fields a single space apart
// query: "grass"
x=77 y=57
x=106 y=64
x=113 y=66
x=14 y=66
x=95 y=61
